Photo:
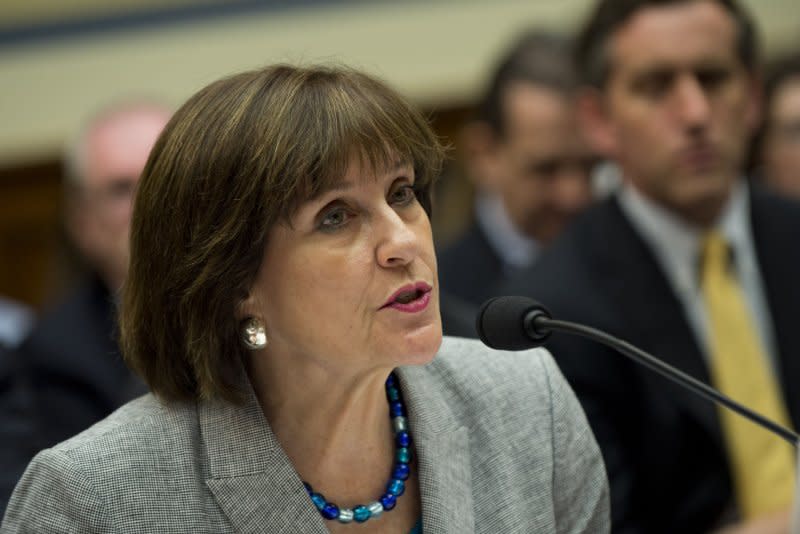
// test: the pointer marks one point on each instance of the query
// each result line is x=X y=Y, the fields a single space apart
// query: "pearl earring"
x=253 y=335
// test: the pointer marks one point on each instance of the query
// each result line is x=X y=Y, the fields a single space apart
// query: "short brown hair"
x=237 y=157
x=537 y=57
x=591 y=50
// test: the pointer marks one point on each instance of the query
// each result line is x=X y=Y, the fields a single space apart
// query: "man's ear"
x=595 y=122
x=755 y=105
x=480 y=147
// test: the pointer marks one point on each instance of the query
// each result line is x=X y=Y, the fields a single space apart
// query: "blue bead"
x=318 y=500
x=397 y=487
x=401 y=471
x=391 y=381
x=393 y=394
x=397 y=409
x=307 y=486
x=330 y=511
x=389 y=500
x=403 y=455
x=403 y=439
x=361 y=513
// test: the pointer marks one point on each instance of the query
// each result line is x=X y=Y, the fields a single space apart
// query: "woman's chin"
x=421 y=345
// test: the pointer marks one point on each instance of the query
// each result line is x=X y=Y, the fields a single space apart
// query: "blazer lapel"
x=443 y=457
x=775 y=239
x=651 y=309
x=249 y=474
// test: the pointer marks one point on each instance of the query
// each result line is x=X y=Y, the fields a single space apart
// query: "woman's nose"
x=398 y=244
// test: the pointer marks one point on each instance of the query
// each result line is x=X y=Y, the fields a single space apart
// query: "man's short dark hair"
x=591 y=50
x=536 y=57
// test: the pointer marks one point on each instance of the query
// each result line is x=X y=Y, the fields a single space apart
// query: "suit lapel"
x=653 y=314
x=443 y=457
x=775 y=239
x=249 y=474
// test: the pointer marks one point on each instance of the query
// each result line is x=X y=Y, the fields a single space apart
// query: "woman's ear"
x=248 y=307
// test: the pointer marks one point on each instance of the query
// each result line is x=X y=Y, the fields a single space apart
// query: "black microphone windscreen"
x=501 y=323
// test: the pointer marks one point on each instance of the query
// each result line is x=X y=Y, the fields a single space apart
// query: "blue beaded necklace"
x=396 y=486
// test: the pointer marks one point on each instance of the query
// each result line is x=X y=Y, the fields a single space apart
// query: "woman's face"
x=352 y=281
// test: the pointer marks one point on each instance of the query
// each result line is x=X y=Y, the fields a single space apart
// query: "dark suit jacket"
x=662 y=445
x=470 y=272
x=469 y=268
x=65 y=376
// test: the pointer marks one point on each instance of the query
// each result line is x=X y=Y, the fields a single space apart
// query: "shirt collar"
x=514 y=248
x=676 y=243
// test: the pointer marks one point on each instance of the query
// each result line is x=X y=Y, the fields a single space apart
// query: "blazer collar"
x=259 y=490
x=250 y=476
x=443 y=458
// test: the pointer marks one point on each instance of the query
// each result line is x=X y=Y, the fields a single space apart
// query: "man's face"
x=542 y=162
x=679 y=106
x=781 y=150
x=115 y=153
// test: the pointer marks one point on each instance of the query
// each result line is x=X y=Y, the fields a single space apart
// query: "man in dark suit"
x=531 y=167
x=672 y=99
x=68 y=372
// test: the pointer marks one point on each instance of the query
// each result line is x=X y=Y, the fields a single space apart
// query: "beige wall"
x=436 y=52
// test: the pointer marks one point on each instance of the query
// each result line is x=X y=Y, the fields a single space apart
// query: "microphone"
x=518 y=323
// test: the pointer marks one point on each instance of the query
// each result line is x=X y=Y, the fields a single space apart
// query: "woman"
x=282 y=300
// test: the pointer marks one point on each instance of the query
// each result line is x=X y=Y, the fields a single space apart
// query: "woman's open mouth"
x=411 y=298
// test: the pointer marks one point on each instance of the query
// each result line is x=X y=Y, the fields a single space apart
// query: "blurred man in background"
x=685 y=261
x=15 y=319
x=777 y=151
x=68 y=373
x=530 y=165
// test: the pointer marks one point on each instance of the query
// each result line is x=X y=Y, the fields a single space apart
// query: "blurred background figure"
x=685 y=260
x=777 y=148
x=529 y=163
x=15 y=319
x=68 y=372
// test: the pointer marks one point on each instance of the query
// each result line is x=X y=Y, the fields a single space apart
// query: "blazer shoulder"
x=131 y=431
x=777 y=212
x=576 y=255
x=475 y=373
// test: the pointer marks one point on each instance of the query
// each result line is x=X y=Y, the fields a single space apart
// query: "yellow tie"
x=762 y=463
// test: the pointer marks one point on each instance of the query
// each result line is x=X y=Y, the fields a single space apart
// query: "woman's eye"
x=334 y=219
x=403 y=195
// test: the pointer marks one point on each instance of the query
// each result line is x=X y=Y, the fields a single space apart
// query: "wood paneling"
x=31 y=235
x=36 y=261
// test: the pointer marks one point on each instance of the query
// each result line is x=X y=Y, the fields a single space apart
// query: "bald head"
x=103 y=167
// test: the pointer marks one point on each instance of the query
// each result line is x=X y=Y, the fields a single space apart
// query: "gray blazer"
x=502 y=446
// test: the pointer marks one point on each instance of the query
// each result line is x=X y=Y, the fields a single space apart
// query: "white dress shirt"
x=676 y=245
x=515 y=249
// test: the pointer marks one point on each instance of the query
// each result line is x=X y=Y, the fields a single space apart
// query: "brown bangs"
x=351 y=121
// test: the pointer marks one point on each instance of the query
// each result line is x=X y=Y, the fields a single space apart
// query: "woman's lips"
x=411 y=298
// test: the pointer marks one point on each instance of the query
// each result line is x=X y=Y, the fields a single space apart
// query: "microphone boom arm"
x=538 y=320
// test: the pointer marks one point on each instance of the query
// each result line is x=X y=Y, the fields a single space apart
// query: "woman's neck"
x=334 y=426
